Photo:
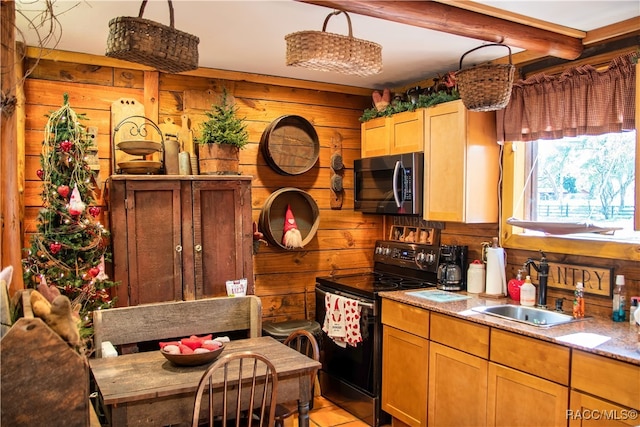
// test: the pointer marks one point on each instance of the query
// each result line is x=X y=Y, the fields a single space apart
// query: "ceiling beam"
x=449 y=19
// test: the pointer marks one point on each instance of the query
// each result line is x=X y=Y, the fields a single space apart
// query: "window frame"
x=513 y=159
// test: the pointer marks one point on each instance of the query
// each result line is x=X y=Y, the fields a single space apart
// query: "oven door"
x=358 y=366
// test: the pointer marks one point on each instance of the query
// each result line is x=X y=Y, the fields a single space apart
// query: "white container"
x=528 y=293
x=475 y=278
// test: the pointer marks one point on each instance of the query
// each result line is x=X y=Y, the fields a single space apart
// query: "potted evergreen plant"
x=221 y=138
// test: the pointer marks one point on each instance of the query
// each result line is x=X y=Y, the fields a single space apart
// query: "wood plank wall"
x=285 y=280
x=345 y=239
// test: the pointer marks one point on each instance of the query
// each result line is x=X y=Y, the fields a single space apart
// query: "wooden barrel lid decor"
x=304 y=209
x=290 y=145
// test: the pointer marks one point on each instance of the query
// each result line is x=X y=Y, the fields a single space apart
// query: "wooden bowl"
x=194 y=359
x=139 y=148
x=140 y=167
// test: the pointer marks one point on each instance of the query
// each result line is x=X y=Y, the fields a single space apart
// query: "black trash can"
x=281 y=330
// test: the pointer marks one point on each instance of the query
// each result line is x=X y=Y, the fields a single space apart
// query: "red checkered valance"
x=580 y=101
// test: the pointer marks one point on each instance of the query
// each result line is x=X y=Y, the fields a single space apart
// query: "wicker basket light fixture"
x=323 y=51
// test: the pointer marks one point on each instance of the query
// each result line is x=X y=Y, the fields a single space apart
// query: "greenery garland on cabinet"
x=423 y=101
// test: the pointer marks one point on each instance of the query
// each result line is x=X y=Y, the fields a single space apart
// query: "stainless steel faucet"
x=543 y=276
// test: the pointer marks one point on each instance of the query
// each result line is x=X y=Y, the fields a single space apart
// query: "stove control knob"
x=423 y=259
x=387 y=251
x=378 y=250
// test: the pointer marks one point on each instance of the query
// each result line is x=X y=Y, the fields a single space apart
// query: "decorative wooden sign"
x=597 y=280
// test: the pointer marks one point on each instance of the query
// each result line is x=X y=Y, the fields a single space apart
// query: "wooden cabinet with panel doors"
x=457 y=371
x=398 y=134
x=405 y=363
x=603 y=390
x=461 y=165
x=179 y=237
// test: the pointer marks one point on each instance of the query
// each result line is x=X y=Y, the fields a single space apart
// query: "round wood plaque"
x=290 y=145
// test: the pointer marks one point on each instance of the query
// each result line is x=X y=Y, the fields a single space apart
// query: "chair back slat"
x=243 y=375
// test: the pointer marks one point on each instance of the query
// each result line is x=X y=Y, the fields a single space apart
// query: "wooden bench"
x=175 y=319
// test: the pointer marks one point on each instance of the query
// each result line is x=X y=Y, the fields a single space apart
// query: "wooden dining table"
x=145 y=389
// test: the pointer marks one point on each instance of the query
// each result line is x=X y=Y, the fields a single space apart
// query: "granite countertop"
x=624 y=344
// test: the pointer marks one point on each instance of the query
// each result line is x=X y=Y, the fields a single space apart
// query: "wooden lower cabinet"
x=519 y=399
x=179 y=237
x=589 y=411
x=457 y=388
x=405 y=368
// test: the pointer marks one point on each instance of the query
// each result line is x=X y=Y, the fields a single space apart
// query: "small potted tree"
x=221 y=138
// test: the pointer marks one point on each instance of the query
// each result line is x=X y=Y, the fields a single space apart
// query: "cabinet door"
x=222 y=236
x=375 y=137
x=407 y=132
x=461 y=165
x=519 y=399
x=457 y=388
x=445 y=162
x=405 y=369
x=146 y=234
x=589 y=411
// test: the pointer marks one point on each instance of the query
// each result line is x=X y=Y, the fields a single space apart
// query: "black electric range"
x=397 y=266
x=351 y=376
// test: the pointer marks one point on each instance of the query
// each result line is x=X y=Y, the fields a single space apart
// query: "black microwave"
x=389 y=184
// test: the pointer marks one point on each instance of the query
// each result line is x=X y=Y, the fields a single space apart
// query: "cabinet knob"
x=198 y=248
x=179 y=248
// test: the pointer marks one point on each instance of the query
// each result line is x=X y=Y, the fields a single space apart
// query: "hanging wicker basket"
x=485 y=87
x=150 y=43
x=322 y=51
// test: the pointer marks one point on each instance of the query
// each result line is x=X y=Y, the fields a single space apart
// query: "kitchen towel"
x=342 y=320
x=496 y=283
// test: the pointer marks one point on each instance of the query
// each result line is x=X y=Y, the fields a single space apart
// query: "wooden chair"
x=304 y=342
x=238 y=392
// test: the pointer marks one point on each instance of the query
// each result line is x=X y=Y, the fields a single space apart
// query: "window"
x=587 y=179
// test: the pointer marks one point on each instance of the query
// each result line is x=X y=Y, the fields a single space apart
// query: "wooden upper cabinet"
x=179 y=238
x=461 y=165
x=375 y=137
x=407 y=132
x=399 y=134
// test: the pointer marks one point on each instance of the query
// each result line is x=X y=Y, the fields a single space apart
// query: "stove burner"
x=412 y=284
x=384 y=284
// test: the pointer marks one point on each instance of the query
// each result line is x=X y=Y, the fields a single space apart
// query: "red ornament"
x=94 y=211
x=94 y=271
x=63 y=191
x=40 y=173
x=55 y=247
x=66 y=146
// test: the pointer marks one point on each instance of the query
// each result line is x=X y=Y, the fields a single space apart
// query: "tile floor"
x=326 y=414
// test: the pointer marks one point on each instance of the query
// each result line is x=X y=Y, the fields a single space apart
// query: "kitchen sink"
x=529 y=315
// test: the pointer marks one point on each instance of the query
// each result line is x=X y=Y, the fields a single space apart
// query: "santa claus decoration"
x=291 y=237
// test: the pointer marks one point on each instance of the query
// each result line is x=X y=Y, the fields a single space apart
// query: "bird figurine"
x=381 y=101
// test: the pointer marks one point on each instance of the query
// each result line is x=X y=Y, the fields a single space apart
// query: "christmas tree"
x=71 y=246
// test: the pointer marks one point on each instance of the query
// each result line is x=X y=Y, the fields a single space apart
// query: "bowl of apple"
x=192 y=351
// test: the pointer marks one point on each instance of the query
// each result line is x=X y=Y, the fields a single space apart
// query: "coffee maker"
x=452 y=268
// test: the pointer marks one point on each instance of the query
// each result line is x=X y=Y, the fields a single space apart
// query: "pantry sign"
x=597 y=280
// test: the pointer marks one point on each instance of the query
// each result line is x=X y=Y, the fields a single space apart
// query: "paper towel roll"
x=496 y=282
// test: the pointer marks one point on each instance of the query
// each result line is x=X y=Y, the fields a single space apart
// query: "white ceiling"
x=248 y=36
